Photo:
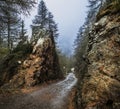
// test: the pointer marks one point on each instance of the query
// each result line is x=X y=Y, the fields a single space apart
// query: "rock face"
x=40 y=66
x=101 y=85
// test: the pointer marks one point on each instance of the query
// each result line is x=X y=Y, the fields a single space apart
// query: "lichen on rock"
x=101 y=89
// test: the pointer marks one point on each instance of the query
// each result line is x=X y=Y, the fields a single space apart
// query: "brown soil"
x=71 y=99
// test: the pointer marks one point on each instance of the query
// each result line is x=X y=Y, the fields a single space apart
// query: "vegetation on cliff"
x=23 y=62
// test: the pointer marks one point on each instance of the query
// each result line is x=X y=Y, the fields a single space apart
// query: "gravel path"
x=55 y=96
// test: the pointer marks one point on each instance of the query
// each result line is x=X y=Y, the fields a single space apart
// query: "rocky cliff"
x=40 y=65
x=100 y=88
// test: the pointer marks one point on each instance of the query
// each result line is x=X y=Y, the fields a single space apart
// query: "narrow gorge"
x=40 y=69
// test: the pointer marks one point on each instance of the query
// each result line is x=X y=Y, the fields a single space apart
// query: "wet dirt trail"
x=55 y=96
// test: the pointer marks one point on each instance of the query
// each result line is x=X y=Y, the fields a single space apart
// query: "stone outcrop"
x=41 y=65
x=101 y=84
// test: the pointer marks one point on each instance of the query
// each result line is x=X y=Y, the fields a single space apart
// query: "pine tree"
x=9 y=18
x=42 y=13
x=23 y=31
x=44 y=20
x=1 y=40
x=94 y=7
x=52 y=26
x=16 y=6
x=1 y=36
x=12 y=27
x=78 y=39
x=40 y=20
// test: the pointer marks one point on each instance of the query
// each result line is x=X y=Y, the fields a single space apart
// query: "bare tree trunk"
x=8 y=36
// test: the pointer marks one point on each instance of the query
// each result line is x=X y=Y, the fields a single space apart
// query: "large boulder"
x=41 y=65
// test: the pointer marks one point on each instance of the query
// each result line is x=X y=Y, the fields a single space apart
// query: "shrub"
x=3 y=52
x=23 y=48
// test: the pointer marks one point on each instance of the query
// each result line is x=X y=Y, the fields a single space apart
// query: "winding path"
x=55 y=96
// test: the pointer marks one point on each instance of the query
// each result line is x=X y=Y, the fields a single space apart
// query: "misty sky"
x=69 y=14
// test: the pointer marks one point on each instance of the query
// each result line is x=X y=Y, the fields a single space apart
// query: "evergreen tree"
x=40 y=20
x=12 y=30
x=79 y=37
x=44 y=20
x=1 y=36
x=23 y=31
x=16 y=6
x=52 y=25
x=1 y=40
x=42 y=14
x=9 y=18
x=94 y=7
